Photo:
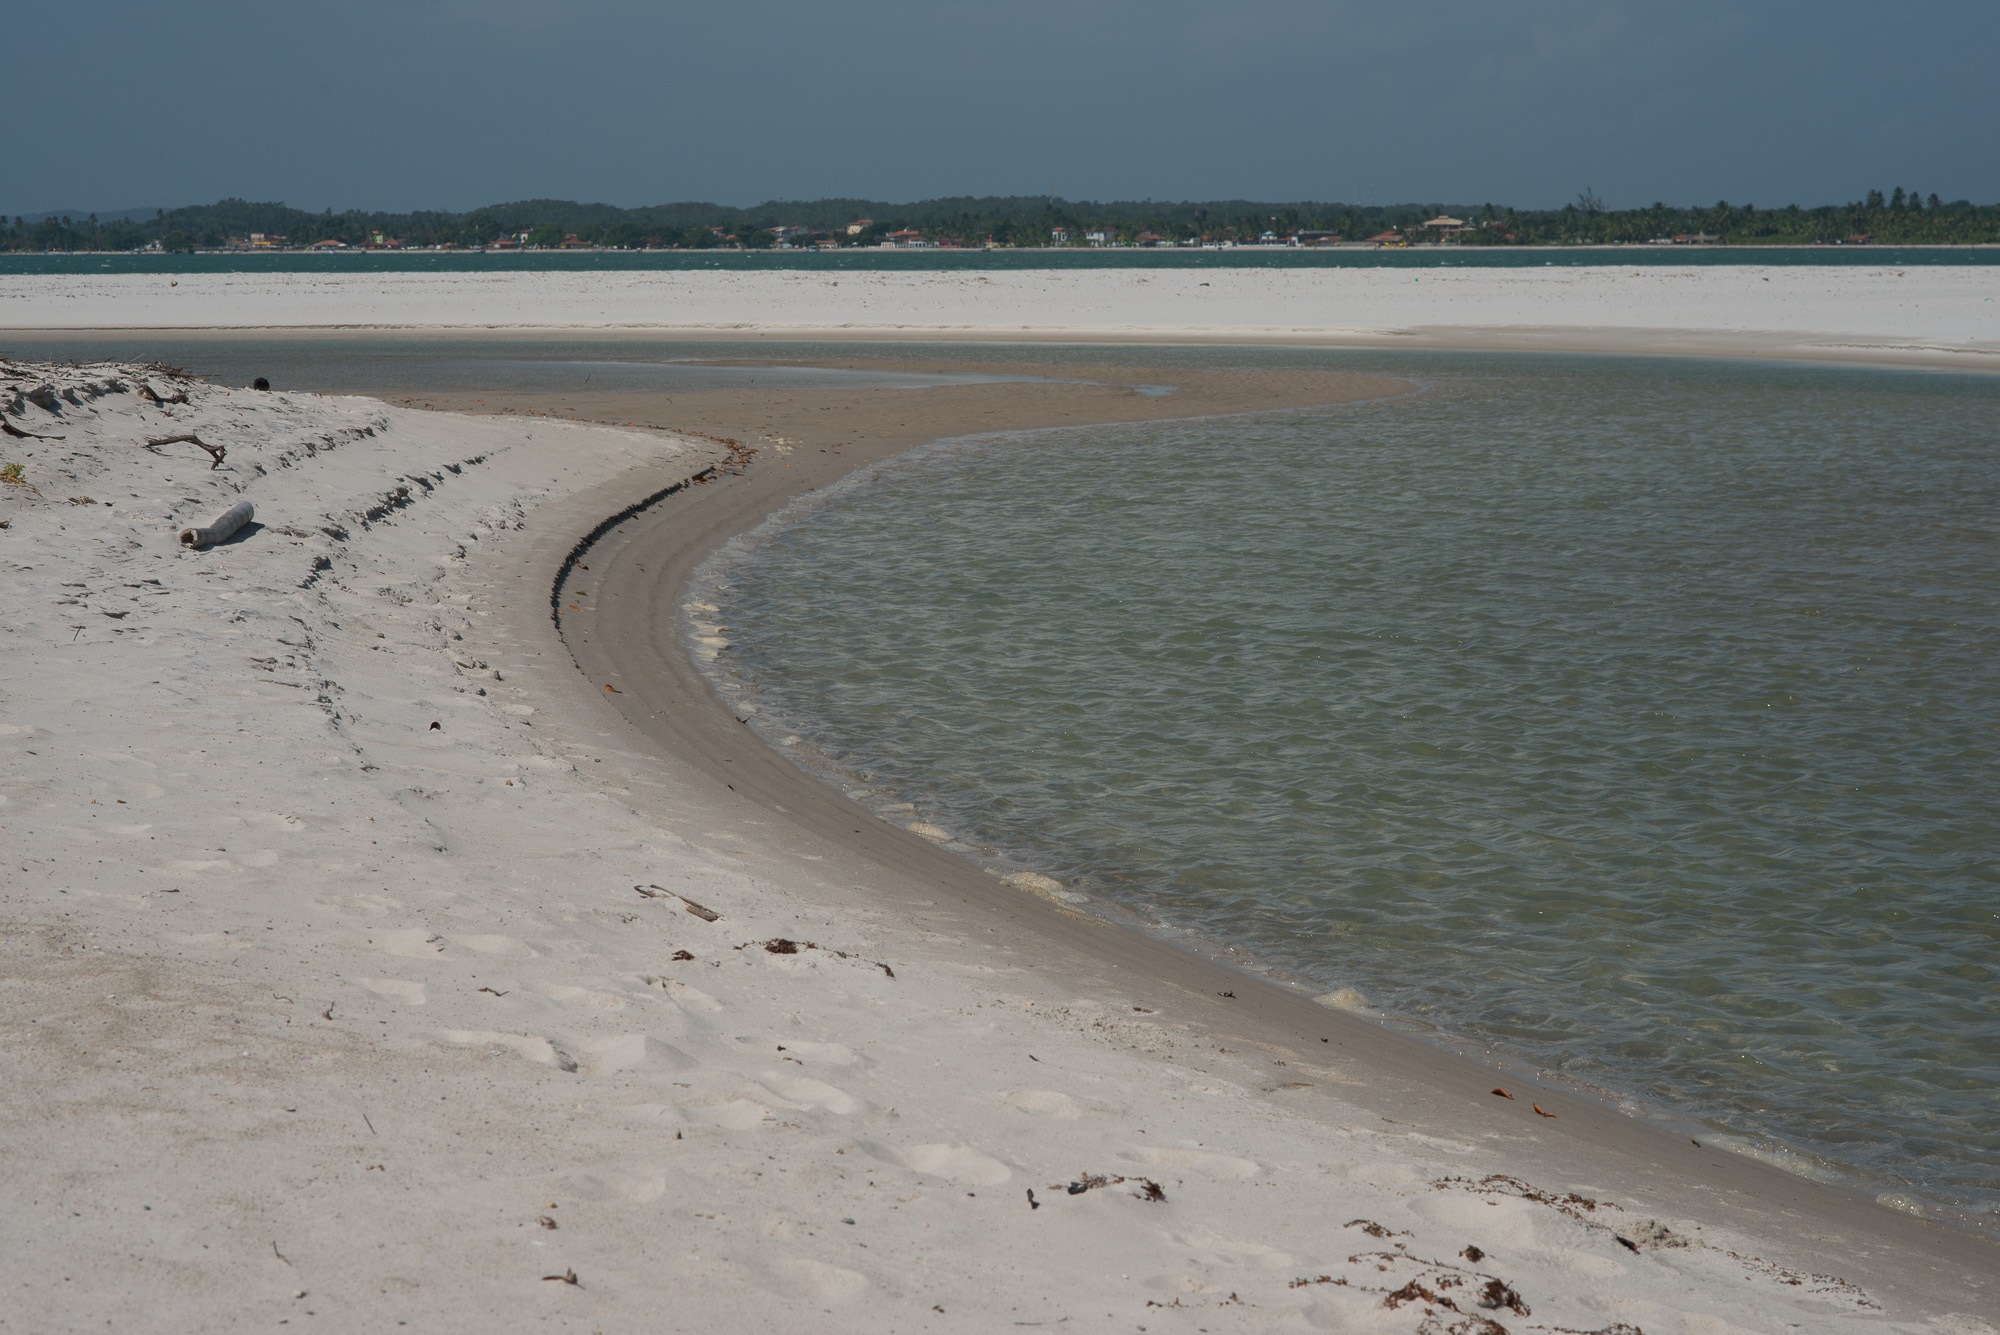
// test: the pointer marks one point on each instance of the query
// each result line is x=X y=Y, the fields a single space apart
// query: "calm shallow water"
x=1635 y=719
x=521 y=366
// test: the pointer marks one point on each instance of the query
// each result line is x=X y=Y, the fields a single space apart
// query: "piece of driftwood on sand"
x=232 y=519
x=215 y=452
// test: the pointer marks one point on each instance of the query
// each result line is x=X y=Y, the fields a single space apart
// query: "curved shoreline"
x=622 y=633
x=320 y=908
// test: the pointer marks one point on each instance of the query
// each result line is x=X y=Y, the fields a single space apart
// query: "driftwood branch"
x=147 y=393
x=215 y=452
x=19 y=434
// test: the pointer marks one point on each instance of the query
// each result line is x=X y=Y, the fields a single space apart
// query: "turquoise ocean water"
x=1630 y=720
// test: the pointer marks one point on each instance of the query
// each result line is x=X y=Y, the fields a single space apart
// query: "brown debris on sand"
x=1149 y=1190
x=216 y=453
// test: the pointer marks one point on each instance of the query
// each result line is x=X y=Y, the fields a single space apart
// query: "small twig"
x=215 y=452
x=147 y=392
x=371 y=1126
x=280 y=1255
x=701 y=911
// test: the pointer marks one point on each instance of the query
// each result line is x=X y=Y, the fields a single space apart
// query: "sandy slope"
x=310 y=1007
x=1945 y=315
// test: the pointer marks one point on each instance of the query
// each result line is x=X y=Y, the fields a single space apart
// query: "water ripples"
x=1631 y=718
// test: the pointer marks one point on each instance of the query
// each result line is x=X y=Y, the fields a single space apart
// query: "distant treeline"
x=1899 y=218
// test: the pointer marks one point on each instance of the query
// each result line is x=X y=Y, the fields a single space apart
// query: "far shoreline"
x=1800 y=347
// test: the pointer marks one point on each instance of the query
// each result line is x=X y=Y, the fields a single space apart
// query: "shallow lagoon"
x=1632 y=719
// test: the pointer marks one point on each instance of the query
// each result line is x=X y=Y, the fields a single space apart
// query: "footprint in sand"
x=1497 y=1223
x=631 y=1052
x=617 y=1184
x=1570 y=1259
x=730 y=1114
x=822 y=1054
x=409 y=942
x=1214 y=1249
x=818 y=1282
x=502 y=947
x=1043 y=1103
x=393 y=989
x=531 y=1047
x=369 y=906
x=581 y=998
x=647 y=1114
x=959 y=1163
x=693 y=998
x=812 y=1093
x=1344 y=1310
x=1206 y=1162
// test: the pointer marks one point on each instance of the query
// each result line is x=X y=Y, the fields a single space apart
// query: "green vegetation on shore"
x=1899 y=218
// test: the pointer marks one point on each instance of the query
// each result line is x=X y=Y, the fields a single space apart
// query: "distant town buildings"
x=1900 y=218
x=796 y=236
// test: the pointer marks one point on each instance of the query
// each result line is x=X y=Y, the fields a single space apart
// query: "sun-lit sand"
x=361 y=962
x=1943 y=315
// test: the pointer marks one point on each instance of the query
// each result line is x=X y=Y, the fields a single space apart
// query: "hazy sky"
x=453 y=103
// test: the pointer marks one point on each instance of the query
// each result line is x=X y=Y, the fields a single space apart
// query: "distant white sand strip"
x=1938 y=315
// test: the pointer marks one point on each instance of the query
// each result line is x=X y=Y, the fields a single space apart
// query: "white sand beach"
x=1945 y=315
x=363 y=970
